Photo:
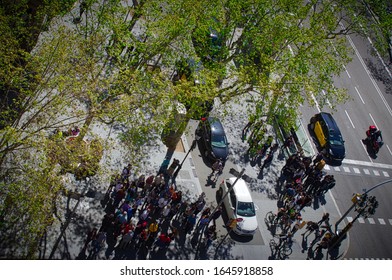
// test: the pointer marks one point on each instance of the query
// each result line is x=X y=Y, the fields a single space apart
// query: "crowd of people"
x=146 y=215
x=303 y=180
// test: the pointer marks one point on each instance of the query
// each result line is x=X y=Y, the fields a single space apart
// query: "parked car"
x=328 y=135
x=214 y=138
x=239 y=205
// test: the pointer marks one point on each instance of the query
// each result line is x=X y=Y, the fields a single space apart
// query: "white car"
x=239 y=205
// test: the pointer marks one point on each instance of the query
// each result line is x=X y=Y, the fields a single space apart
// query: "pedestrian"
x=216 y=214
x=310 y=227
x=125 y=240
x=324 y=219
x=172 y=167
x=126 y=173
x=217 y=169
x=190 y=223
x=267 y=161
x=165 y=212
x=288 y=143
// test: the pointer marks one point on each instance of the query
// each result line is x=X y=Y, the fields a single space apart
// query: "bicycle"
x=271 y=219
x=283 y=248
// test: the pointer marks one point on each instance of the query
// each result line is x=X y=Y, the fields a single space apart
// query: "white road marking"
x=374 y=122
x=361 y=220
x=371 y=221
x=376 y=173
x=364 y=147
x=359 y=95
x=316 y=103
x=389 y=149
x=350 y=219
x=369 y=75
x=368 y=164
x=336 y=168
x=367 y=172
x=349 y=119
x=329 y=103
x=348 y=74
x=326 y=167
x=346 y=169
x=380 y=58
x=385 y=174
x=390 y=221
x=356 y=170
x=381 y=221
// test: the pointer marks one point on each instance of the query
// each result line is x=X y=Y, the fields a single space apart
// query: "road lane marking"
x=356 y=170
x=390 y=221
x=389 y=150
x=348 y=74
x=374 y=122
x=349 y=119
x=381 y=221
x=366 y=163
x=367 y=172
x=364 y=147
x=369 y=75
x=359 y=95
x=376 y=173
x=316 y=103
x=371 y=221
x=361 y=220
x=349 y=219
x=380 y=58
x=336 y=168
x=385 y=174
x=329 y=103
x=346 y=169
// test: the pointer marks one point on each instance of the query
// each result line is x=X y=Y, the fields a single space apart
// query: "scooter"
x=374 y=139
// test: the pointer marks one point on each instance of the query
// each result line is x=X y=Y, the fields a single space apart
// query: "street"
x=368 y=104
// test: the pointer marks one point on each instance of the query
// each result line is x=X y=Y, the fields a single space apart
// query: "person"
x=324 y=219
x=217 y=169
x=216 y=214
x=371 y=132
x=310 y=227
x=288 y=143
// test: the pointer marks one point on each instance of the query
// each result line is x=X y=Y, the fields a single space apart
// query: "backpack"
x=320 y=165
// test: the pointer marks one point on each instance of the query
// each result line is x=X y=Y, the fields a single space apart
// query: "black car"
x=212 y=134
x=328 y=135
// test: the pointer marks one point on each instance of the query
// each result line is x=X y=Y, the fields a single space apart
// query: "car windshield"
x=218 y=141
x=246 y=209
x=335 y=140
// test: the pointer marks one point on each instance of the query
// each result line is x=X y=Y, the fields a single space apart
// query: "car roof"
x=330 y=122
x=216 y=125
x=241 y=189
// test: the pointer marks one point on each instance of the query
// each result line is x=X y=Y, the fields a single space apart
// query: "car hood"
x=338 y=151
x=248 y=223
x=219 y=152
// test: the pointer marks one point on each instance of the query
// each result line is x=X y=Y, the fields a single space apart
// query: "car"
x=238 y=203
x=213 y=136
x=328 y=135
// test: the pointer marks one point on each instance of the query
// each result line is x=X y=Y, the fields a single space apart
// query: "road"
x=369 y=103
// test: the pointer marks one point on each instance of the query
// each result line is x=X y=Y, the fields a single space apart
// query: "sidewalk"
x=89 y=213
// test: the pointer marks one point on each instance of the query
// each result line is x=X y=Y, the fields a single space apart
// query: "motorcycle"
x=374 y=139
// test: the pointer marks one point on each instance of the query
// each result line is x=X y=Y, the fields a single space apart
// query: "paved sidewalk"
x=89 y=212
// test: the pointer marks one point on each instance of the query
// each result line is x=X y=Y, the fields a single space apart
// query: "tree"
x=113 y=67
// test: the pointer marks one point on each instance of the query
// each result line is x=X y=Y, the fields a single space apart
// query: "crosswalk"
x=358 y=171
x=372 y=221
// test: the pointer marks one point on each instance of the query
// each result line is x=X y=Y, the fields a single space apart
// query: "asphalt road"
x=369 y=86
